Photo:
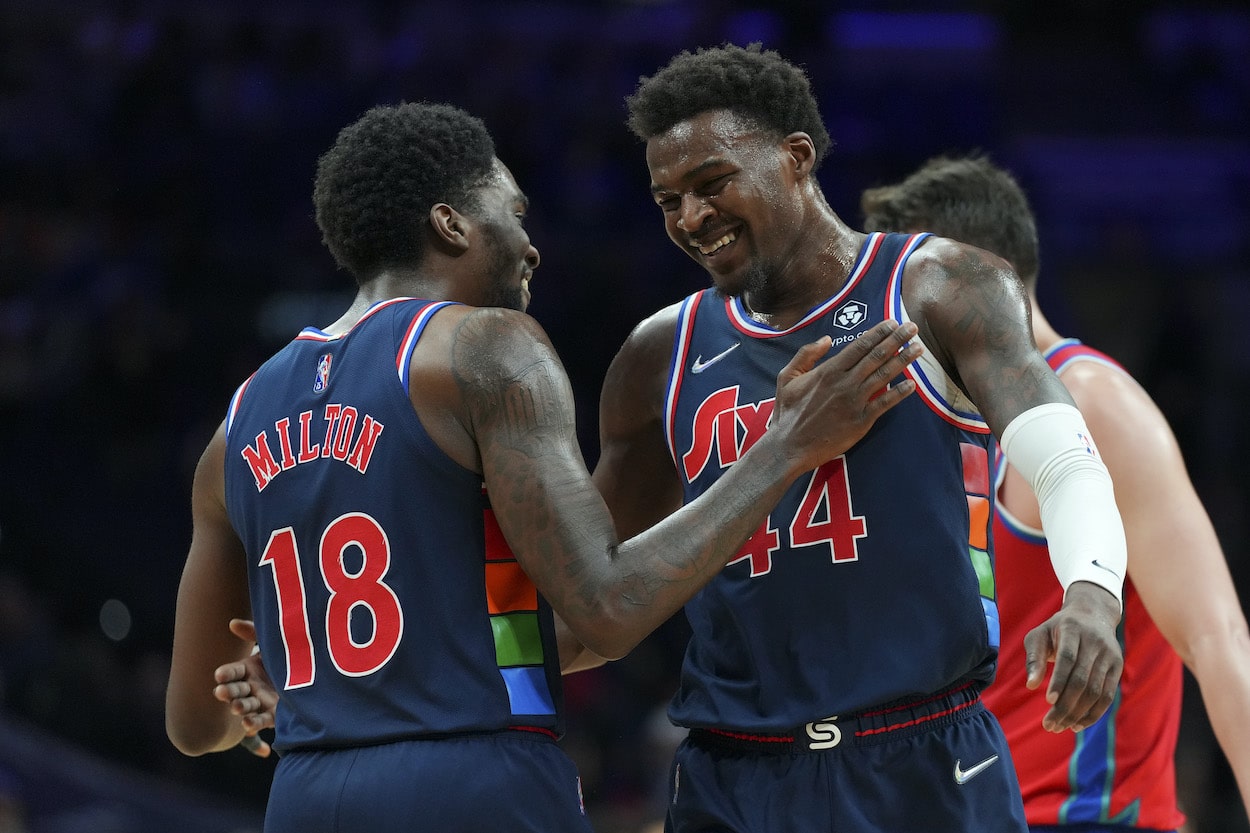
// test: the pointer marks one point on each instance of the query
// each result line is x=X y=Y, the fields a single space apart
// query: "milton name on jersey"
x=348 y=438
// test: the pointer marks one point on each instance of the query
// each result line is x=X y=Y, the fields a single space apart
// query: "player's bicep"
x=635 y=472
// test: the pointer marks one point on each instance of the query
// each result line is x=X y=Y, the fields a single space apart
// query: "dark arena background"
x=157 y=242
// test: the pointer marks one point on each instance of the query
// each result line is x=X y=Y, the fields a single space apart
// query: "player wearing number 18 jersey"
x=349 y=589
x=372 y=619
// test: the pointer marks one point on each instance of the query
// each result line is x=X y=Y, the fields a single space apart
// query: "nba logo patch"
x=1088 y=443
x=323 y=373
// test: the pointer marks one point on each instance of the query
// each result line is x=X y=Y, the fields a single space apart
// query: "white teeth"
x=717 y=245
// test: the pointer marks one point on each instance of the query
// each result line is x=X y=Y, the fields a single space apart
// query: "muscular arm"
x=213 y=590
x=1175 y=559
x=974 y=315
x=612 y=593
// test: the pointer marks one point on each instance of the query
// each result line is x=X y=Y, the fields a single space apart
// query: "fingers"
x=1086 y=671
x=804 y=360
x=256 y=746
x=888 y=398
x=246 y=704
x=1085 y=694
x=1037 y=654
x=230 y=672
x=878 y=347
x=239 y=696
x=244 y=629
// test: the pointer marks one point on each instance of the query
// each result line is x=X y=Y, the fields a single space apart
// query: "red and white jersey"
x=1120 y=771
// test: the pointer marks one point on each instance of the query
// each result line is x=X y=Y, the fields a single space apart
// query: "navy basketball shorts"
x=938 y=765
x=512 y=780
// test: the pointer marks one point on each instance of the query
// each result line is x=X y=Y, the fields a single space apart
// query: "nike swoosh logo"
x=1101 y=567
x=963 y=776
x=699 y=365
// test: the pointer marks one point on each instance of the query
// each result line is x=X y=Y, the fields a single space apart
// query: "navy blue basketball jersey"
x=387 y=603
x=872 y=579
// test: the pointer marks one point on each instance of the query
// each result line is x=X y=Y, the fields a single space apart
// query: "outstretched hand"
x=1081 y=642
x=246 y=688
x=830 y=407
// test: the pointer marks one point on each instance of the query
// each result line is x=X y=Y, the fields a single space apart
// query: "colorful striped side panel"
x=976 y=466
x=512 y=602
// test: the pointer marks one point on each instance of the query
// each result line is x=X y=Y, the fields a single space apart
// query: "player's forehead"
x=702 y=142
x=500 y=186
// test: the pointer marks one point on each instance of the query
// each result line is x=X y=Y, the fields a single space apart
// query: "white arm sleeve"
x=1051 y=446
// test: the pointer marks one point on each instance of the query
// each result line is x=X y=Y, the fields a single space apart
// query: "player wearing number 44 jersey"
x=833 y=678
x=399 y=502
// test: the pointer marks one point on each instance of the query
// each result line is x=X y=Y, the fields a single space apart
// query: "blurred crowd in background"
x=157 y=243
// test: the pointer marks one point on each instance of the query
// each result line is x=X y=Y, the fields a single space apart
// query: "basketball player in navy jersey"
x=399 y=502
x=1180 y=604
x=832 y=682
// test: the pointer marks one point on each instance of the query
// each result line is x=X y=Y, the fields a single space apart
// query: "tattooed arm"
x=973 y=316
x=508 y=401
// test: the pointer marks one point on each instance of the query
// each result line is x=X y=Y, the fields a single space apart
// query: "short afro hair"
x=965 y=198
x=375 y=187
x=756 y=84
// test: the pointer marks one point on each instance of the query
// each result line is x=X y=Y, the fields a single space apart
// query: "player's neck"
x=815 y=270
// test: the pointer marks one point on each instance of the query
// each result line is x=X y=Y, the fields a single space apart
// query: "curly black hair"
x=375 y=187
x=753 y=82
x=965 y=198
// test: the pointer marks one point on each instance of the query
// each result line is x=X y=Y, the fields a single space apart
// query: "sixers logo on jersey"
x=723 y=429
x=322 y=379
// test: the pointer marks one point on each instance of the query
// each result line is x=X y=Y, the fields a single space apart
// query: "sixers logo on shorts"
x=323 y=373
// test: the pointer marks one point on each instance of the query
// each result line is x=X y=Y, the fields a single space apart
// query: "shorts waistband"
x=538 y=733
x=907 y=716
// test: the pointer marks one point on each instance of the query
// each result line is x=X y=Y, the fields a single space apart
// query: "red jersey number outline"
x=348 y=592
x=841 y=528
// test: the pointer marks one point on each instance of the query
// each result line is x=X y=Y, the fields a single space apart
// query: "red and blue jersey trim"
x=925 y=389
x=1070 y=350
x=403 y=359
x=741 y=319
x=681 y=355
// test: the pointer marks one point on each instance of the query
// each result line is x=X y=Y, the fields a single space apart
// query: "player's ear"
x=801 y=152
x=450 y=227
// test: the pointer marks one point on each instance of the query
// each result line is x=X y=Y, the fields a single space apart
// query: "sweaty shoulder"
x=941 y=266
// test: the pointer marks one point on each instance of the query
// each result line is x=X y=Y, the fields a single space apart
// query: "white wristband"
x=1051 y=447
